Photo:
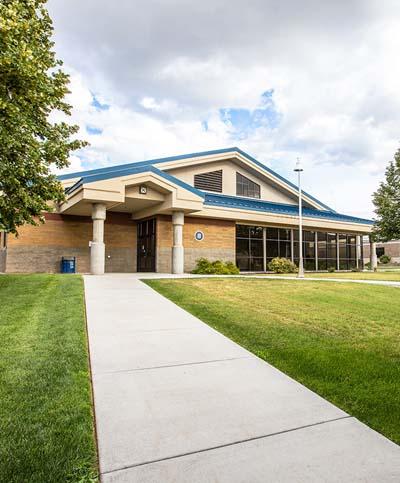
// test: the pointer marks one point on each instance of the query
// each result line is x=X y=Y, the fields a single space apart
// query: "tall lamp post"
x=298 y=169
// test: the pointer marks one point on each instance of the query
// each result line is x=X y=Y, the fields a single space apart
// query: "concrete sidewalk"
x=178 y=402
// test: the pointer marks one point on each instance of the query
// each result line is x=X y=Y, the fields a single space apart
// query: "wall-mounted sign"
x=199 y=235
x=143 y=190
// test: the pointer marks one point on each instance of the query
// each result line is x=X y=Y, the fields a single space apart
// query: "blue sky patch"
x=245 y=121
x=98 y=105
x=93 y=130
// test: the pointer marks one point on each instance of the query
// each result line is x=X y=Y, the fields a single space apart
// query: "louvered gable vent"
x=211 y=181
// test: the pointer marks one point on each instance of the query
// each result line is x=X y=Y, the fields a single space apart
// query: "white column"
x=97 y=248
x=178 y=220
x=337 y=252
x=358 y=251
x=373 y=258
x=264 y=249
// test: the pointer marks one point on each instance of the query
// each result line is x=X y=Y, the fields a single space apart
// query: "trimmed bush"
x=331 y=270
x=282 y=265
x=384 y=259
x=218 y=267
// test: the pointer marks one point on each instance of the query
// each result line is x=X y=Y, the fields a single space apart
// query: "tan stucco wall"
x=40 y=248
x=218 y=242
x=392 y=249
x=229 y=170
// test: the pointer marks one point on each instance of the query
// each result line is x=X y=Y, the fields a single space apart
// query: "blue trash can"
x=68 y=264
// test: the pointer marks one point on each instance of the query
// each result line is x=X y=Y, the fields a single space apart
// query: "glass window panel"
x=272 y=248
x=351 y=239
x=242 y=231
x=331 y=263
x=331 y=246
x=272 y=233
x=343 y=264
x=257 y=264
x=352 y=264
x=342 y=249
x=256 y=232
x=284 y=249
x=309 y=264
x=321 y=236
x=284 y=234
x=246 y=187
x=242 y=248
x=351 y=251
x=243 y=263
x=296 y=249
x=322 y=264
x=256 y=248
x=308 y=236
x=309 y=249
x=295 y=235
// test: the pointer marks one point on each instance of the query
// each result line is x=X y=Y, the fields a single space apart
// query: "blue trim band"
x=225 y=201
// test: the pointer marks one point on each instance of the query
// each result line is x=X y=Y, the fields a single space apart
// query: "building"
x=162 y=215
x=390 y=248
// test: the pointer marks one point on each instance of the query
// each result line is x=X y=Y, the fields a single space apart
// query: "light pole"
x=298 y=168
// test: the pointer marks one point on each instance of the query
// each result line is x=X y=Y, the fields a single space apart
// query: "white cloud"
x=166 y=70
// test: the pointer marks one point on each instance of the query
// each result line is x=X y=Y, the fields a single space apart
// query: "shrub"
x=282 y=265
x=367 y=265
x=331 y=269
x=384 y=259
x=218 y=267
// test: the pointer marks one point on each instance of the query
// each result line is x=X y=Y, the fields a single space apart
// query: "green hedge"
x=218 y=267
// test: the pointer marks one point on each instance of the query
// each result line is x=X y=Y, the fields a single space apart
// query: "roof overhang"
x=164 y=194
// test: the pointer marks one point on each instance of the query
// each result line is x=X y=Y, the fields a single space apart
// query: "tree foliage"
x=32 y=90
x=387 y=203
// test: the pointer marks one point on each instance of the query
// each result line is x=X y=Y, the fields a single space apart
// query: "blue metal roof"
x=109 y=171
x=279 y=208
x=124 y=171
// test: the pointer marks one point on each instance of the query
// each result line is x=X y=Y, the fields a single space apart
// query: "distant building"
x=391 y=248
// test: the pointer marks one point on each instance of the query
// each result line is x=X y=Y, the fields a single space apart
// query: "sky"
x=279 y=79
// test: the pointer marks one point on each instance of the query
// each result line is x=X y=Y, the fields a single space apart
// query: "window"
x=278 y=243
x=246 y=187
x=309 y=260
x=380 y=251
x=249 y=248
x=211 y=181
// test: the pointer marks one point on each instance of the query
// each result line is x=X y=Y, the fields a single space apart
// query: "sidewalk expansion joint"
x=195 y=363
x=212 y=448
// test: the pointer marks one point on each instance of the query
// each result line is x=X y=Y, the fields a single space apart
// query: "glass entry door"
x=146 y=246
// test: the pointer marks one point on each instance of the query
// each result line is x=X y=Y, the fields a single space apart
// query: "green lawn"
x=340 y=340
x=46 y=420
x=393 y=276
x=381 y=275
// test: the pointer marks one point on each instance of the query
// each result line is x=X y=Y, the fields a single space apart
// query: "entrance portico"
x=144 y=194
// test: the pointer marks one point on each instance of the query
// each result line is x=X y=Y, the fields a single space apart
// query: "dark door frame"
x=146 y=245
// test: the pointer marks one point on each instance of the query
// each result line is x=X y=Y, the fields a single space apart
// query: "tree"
x=32 y=89
x=387 y=203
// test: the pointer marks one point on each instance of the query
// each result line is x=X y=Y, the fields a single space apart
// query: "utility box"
x=68 y=265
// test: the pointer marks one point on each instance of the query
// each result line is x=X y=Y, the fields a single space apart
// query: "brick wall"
x=218 y=242
x=40 y=248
